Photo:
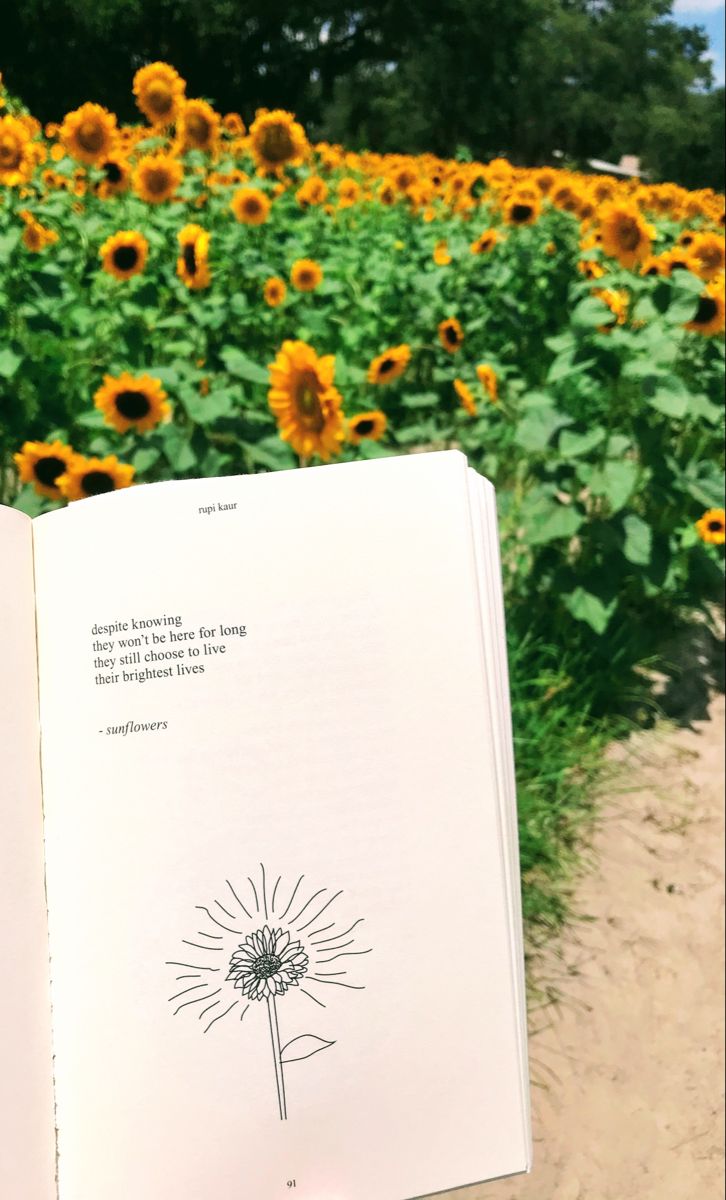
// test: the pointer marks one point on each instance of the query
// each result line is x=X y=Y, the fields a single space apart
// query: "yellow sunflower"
x=441 y=255
x=156 y=177
x=485 y=243
x=709 y=250
x=192 y=265
x=617 y=302
x=306 y=275
x=487 y=377
x=159 y=92
x=233 y=124
x=348 y=192
x=89 y=133
x=277 y=140
x=135 y=402
x=712 y=527
x=466 y=397
x=251 y=206
x=16 y=155
x=522 y=208
x=116 y=176
x=390 y=364
x=275 y=291
x=451 y=335
x=626 y=235
x=306 y=404
x=709 y=317
x=370 y=425
x=94 y=476
x=199 y=126
x=36 y=236
x=42 y=463
x=124 y=253
x=313 y=191
x=678 y=258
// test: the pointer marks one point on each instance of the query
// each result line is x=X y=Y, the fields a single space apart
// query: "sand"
x=628 y=1070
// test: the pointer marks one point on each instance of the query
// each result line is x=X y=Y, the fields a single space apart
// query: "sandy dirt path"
x=628 y=1070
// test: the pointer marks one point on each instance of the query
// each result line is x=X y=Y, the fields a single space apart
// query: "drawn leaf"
x=303 y=1047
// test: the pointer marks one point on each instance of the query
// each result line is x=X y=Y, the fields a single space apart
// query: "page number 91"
x=292 y=1183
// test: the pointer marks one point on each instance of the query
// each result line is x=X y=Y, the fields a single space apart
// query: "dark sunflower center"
x=686 y=240
x=133 y=405
x=363 y=428
x=198 y=128
x=266 y=965
x=48 y=469
x=451 y=335
x=706 y=311
x=715 y=526
x=90 y=136
x=10 y=153
x=652 y=271
x=277 y=144
x=252 y=206
x=387 y=365
x=629 y=233
x=679 y=265
x=308 y=406
x=189 y=254
x=521 y=212
x=113 y=172
x=159 y=98
x=94 y=483
x=157 y=181
x=125 y=257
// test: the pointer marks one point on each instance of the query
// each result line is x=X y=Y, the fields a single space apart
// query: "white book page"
x=27 y=1133
x=279 y=918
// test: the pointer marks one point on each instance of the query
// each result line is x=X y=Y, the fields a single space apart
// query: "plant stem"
x=277 y=1055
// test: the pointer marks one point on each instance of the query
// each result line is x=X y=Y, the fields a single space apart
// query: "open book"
x=259 y=887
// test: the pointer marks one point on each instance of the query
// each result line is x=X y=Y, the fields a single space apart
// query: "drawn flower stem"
x=277 y=1055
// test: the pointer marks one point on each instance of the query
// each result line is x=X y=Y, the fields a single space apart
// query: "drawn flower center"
x=266 y=965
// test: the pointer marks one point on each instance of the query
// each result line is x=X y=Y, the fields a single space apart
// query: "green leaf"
x=272 y=453
x=91 y=420
x=616 y=481
x=144 y=458
x=564 y=368
x=587 y=607
x=205 y=410
x=9 y=362
x=420 y=400
x=539 y=425
x=243 y=367
x=572 y=445
x=591 y=312
x=177 y=449
x=552 y=521
x=638 y=545
x=671 y=404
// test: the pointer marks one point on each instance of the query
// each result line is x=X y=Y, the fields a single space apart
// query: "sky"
x=709 y=13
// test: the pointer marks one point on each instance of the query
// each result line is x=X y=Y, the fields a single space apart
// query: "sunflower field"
x=190 y=297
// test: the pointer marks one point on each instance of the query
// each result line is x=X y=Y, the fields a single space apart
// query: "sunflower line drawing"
x=255 y=946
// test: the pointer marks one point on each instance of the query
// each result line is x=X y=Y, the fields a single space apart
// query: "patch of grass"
x=559 y=746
